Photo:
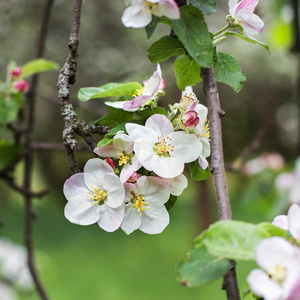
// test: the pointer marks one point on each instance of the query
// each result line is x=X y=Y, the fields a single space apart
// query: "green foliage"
x=8 y=153
x=115 y=117
x=147 y=112
x=192 y=31
x=206 y=6
x=108 y=138
x=152 y=26
x=9 y=107
x=273 y=230
x=108 y=90
x=164 y=48
x=38 y=66
x=228 y=71
x=171 y=202
x=200 y=267
x=187 y=71
x=248 y=39
x=197 y=173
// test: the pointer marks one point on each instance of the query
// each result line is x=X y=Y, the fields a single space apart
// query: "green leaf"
x=148 y=112
x=197 y=173
x=232 y=239
x=115 y=117
x=9 y=107
x=37 y=66
x=171 y=202
x=206 y=6
x=248 y=39
x=200 y=267
x=164 y=48
x=228 y=71
x=192 y=31
x=152 y=26
x=187 y=71
x=108 y=90
x=8 y=153
x=273 y=230
x=108 y=138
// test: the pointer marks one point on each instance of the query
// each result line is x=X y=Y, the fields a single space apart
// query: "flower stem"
x=221 y=31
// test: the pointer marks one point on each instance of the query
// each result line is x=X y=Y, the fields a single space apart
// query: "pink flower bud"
x=21 y=86
x=16 y=72
x=134 y=177
x=190 y=119
x=110 y=162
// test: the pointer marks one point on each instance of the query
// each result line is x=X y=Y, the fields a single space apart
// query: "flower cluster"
x=141 y=167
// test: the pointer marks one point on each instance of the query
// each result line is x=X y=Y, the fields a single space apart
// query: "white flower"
x=13 y=264
x=291 y=183
x=139 y=13
x=279 y=278
x=96 y=195
x=160 y=149
x=176 y=184
x=121 y=148
x=242 y=12
x=144 y=205
x=146 y=94
x=6 y=292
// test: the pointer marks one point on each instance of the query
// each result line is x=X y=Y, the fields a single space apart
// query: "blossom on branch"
x=21 y=86
x=279 y=276
x=144 y=205
x=242 y=13
x=139 y=13
x=160 y=149
x=96 y=195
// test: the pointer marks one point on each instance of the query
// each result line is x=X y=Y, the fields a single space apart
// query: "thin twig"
x=31 y=98
x=218 y=169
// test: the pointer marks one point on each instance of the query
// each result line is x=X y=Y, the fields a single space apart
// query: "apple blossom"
x=15 y=72
x=143 y=96
x=144 y=205
x=122 y=149
x=138 y=14
x=21 y=86
x=96 y=195
x=279 y=278
x=160 y=149
x=241 y=13
x=290 y=182
x=176 y=184
x=190 y=119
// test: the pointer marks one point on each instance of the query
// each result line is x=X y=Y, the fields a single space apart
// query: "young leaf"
x=228 y=71
x=200 y=267
x=192 y=31
x=232 y=239
x=115 y=117
x=148 y=112
x=37 y=66
x=248 y=39
x=152 y=26
x=164 y=48
x=9 y=107
x=108 y=90
x=206 y=6
x=197 y=173
x=171 y=202
x=187 y=71
x=108 y=138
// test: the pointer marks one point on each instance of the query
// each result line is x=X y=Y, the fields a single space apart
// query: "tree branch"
x=218 y=169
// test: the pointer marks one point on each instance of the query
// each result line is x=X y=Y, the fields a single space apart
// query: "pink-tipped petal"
x=253 y=26
x=245 y=9
x=169 y=9
x=136 y=103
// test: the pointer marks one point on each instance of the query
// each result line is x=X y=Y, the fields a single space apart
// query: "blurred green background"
x=87 y=263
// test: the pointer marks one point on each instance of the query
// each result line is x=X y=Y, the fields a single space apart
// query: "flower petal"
x=132 y=219
x=136 y=16
x=107 y=151
x=111 y=218
x=75 y=188
x=245 y=9
x=232 y=4
x=115 y=190
x=176 y=184
x=116 y=104
x=294 y=221
x=169 y=9
x=152 y=86
x=123 y=142
x=160 y=124
x=129 y=169
x=136 y=103
x=168 y=167
x=253 y=25
x=138 y=131
x=281 y=221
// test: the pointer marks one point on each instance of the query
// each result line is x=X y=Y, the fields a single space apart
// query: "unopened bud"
x=16 y=72
x=134 y=177
x=110 y=162
x=21 y=86
x=190 y=119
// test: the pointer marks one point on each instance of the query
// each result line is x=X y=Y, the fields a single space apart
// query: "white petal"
x=245 y=8
x=176 y=184
x=205 y=147
x=253 y=26
x=281 y=222
x=152 y=86
x=107 y=151
x=111 y=218
x=262 y=285
x=132 y=219
x=232 y=4
x=136 y=16
x=123 y=142
x=82 y=213
x=116 y=104
x=294 y=221
x=160 y=124
x=129 y=169
x=115 y=190
x=294 y=195
x=75 y=188
x=138 y=131
x=187 y=147
x=202 y=112
x=168 y=8
x=168 y=167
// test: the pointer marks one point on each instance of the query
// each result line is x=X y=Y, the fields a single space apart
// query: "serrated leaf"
x=232 y=239
x=200 y=267
x=171 y=202
x=187 y=71
x=192 y=31
x=152 y=26
x=228 y=71
x=248 y=39
x=206 y=6
x=197 y=173
x=108 y=90
x=115 y=117
x=164 y=48
x=147 y=112
x=38 y=66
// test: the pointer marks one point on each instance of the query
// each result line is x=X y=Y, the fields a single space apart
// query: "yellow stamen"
x=205 y=130
x=98 y=196
x=124 y=158
x=139 y=92
x=138 y=202
x=278 y=273
x=163 y=146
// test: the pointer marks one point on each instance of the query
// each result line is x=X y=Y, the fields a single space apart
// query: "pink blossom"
x=242 y=12
x=21 y=86
x=15 y=72
x=190 y=119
